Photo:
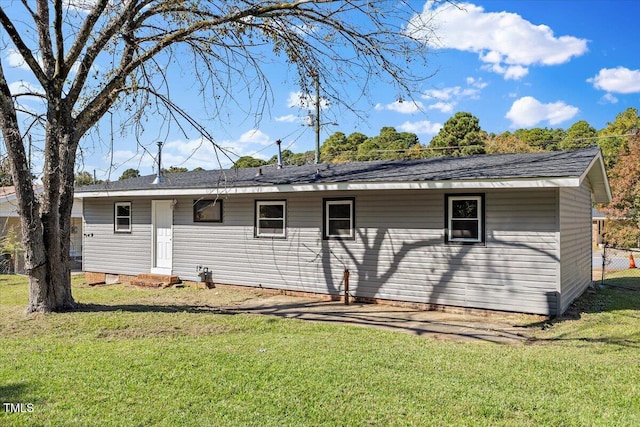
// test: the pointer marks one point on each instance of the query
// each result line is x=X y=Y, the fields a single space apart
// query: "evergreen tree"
x=580 y=134
x=129 y=173
x=461 y=135
x=388 y=145
x=613 y=139
x=84 y=178
x=546 y=139
x=248 y=162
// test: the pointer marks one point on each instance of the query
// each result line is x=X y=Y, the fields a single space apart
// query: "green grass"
x=140 y=357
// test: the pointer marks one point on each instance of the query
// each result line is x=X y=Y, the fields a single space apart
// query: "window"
x=122 y=217
x=205 y=210
x=270 y=218
x=338 y=219
x=465 y=219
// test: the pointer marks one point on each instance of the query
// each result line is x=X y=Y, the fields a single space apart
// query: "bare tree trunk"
x=50 y=288
x=50 y=279
x=48 y=251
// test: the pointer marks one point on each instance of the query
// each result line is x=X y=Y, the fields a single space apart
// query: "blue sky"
x=512 y=64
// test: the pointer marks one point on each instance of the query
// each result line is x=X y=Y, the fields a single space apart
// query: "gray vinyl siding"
x=399 y=252
x=575 y=243
x=118 y=253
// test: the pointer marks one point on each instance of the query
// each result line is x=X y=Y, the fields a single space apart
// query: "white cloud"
x=254 y=136
x=442 y=94
x=528 y=111
x=511 y=72
x=402 y=107
x=16 y=60
x=305 y=100
x=443 y=107
x=608 y=99
x=617 y=80
x=188 y=148
x=506 y=42
x=447 y=98
x=477 y=83
x=421 y=128
x=24 y=88
x=515 y=72
x=289 y=118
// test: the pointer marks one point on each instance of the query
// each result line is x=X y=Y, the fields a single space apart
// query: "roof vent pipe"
x=259 y=173
x=158 y=179
x=279 y=166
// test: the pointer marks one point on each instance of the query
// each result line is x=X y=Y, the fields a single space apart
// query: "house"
x=598 y=223
x=10 y=225
x=509 y=232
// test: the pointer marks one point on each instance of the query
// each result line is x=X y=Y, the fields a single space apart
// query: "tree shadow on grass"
x=151 y=308
x=615 y=295
x=328 y=312
x=416 y=322
x=15 y=392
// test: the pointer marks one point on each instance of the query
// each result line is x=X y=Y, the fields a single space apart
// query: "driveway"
x=495 y=328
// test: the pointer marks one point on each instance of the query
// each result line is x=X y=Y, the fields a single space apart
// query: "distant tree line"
x=85 y=178
x=462 y=135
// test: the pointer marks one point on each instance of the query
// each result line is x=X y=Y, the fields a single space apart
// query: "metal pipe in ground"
x=604 y=258
x=346 y=287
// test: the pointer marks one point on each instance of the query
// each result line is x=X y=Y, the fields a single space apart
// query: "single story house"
x=599 y=221
x=508 y=232
x=10 y=226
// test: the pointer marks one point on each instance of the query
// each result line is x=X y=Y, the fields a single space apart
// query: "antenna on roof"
x=279 y=166
x=158 y=179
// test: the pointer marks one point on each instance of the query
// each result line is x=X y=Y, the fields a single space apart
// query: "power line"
x=301 y=131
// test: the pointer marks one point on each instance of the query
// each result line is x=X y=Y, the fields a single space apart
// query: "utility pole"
x=317 y=82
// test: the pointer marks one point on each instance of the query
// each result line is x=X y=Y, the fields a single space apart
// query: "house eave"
x=342 y=186
x=597 y=177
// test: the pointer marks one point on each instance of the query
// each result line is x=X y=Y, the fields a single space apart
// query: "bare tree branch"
x=24 y=50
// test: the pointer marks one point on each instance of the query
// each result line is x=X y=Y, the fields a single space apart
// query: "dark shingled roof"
x=555 y=164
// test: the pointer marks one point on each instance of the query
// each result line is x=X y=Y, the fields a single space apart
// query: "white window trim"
x=327 y=219
x=115 y=217
x=450 y=238
x=282 y=203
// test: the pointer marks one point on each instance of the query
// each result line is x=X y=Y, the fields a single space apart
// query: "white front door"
x=162 y=251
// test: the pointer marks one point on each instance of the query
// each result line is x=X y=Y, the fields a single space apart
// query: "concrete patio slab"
x=501 y=328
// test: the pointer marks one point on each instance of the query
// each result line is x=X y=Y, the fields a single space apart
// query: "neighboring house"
x=599 y=219
x=505 y=232
x=10 y=220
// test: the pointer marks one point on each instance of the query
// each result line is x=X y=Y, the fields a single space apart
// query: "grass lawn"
x=141 y=357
